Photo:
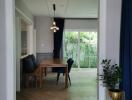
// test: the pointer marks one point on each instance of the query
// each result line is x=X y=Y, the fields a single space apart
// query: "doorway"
x=81 y=45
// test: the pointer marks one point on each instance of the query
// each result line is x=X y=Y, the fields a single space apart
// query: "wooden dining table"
x=53 y=63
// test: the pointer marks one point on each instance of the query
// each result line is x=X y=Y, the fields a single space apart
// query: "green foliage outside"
x=86 y=43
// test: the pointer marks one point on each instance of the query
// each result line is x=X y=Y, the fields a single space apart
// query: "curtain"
x=126 y=48
x=58 y=37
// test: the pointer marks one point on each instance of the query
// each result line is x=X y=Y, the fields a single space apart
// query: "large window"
x=82 y=47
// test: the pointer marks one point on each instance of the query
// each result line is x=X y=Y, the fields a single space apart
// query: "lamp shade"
x=54 y=27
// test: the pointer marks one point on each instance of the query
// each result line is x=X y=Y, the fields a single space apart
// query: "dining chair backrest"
x=70 y=62
x=28 y=66
x=34 y=60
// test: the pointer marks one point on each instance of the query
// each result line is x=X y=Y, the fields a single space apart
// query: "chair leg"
x=27 y=80
x=58 y=75
x=45 y=71
x=35 y=85
x=36 y=81
x=69 y=79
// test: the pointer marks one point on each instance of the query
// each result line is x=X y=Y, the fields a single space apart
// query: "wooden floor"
x=83 y=88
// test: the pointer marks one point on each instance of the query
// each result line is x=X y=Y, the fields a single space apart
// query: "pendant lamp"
x=54 y=27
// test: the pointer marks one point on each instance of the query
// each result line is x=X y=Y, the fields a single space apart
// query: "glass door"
x=70 y=47
x=88 y=49
x=82 y=47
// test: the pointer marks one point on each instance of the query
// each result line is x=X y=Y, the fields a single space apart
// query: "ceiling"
x=64 y=8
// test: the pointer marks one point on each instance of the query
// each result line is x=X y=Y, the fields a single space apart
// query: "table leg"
x=45 y=71
x=66 y=77
x=41 y=76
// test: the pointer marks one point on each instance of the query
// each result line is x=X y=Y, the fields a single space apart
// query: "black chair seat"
x=70 y=62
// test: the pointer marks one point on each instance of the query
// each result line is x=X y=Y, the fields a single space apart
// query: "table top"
x=53 y=63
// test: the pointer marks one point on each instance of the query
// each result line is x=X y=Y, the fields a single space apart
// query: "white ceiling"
x=64 y=8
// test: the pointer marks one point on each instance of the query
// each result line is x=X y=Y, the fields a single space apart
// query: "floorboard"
x=83 y=87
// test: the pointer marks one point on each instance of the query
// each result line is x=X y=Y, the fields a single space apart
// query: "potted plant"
x=111 y=78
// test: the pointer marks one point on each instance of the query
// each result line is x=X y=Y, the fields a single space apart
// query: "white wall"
x=7 y=62
x=18 y=50
x=21 y=12
x=44 y=36
x=102 y=44
x=19 y=5
x=113 y=29
x=109 y=34
x=81 y=24
x=30 y=32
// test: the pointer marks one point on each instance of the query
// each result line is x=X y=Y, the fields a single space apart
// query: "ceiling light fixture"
x=54 y=27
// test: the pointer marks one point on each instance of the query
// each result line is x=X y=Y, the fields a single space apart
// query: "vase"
x=116 y=94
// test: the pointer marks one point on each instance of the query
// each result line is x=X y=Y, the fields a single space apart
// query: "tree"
x=88 y=47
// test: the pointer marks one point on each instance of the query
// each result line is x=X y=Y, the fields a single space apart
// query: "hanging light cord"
x=54 y=27
x=54 y=9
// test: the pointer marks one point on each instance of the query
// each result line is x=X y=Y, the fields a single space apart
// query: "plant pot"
x=116 y=94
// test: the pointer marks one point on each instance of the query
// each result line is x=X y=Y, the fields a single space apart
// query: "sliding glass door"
x=82 y=47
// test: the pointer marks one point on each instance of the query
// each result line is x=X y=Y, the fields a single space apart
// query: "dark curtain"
x=126 y=48
x=58 y=37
